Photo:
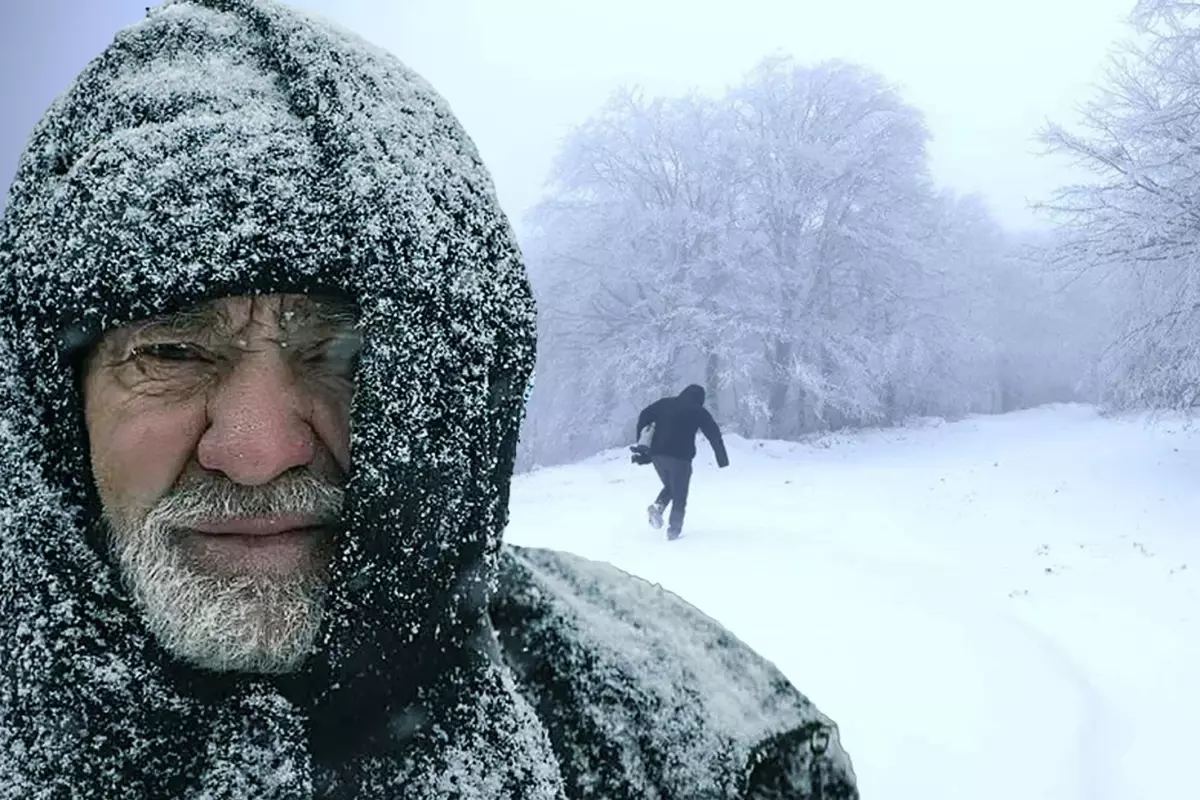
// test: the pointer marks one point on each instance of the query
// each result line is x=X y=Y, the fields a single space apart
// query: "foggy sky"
x=986 y=74
x=521 y=73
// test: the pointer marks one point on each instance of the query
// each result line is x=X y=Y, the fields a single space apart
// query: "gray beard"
x=255 y=623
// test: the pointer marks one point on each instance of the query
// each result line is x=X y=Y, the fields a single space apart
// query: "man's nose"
x=259 y=422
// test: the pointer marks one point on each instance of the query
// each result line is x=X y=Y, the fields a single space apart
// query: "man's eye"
x=338 y=355
x=172 y=352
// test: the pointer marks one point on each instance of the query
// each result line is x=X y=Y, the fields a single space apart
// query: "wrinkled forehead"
x=286 y=315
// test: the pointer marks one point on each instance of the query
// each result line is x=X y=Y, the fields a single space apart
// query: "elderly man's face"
x=219 y=444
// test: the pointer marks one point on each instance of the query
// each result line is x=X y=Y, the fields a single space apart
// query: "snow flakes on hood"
x=643 y=692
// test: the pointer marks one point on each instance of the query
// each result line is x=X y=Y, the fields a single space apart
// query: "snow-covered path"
x=1002 y=607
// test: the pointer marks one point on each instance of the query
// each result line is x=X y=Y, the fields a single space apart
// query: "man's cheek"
x=141 y=456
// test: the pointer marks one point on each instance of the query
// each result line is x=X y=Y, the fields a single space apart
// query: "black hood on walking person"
x=235 y=147
x=694 y=394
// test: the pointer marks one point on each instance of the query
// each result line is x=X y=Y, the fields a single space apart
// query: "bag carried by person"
x=641 y=450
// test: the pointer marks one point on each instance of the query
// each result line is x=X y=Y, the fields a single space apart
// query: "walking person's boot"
x=655 y=511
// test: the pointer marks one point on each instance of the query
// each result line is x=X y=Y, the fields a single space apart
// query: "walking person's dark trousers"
x=676 y=477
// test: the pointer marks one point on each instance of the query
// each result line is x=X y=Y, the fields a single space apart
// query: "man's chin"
x=253 y=625
x=231 y=615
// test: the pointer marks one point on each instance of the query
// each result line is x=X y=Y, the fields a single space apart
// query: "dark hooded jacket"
x=231 y=147
x=676 y=422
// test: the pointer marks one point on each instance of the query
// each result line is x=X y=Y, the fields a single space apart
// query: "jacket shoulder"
x=644 y=695
x=660 y=404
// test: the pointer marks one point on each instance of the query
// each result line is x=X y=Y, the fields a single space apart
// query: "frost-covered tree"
x=631 y=261
x=835 y=195
x=785 y=246
x=1135 y=223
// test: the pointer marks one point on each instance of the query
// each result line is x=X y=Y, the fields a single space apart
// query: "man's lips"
x=258 y=526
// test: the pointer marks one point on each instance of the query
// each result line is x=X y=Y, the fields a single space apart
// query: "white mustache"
x=214 y=499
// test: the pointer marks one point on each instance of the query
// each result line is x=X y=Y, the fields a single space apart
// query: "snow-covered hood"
x=223 y=147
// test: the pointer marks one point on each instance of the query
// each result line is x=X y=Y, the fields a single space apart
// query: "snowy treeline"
x=1134 y=225
x=785 y=246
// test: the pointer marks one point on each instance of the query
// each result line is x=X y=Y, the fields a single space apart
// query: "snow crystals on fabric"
x=645 y=696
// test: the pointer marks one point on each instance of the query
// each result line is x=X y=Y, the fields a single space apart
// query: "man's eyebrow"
x=212 y=319
x=190 y=321
x=333 y=313
x=205 y=317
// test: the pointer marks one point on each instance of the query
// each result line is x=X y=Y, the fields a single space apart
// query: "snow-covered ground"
x=998 y=608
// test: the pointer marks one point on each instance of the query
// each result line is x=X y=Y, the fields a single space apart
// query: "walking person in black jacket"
x=672 y=448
